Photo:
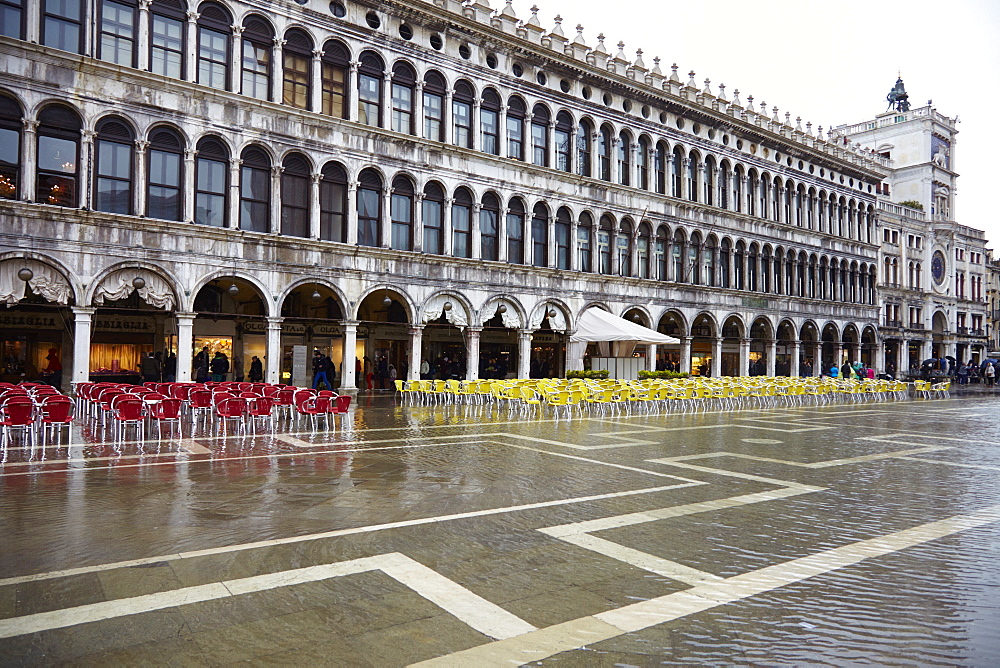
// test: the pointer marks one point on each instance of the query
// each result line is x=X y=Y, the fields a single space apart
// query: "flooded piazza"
x=477 y=536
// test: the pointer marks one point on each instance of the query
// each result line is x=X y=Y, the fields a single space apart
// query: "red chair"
x=128 y=410
x=284 y=399
x=262 y=408
x=17 y=415
x=314 y=408
x=200 y=403
x=167 y=410
x=232 y=409
x=260 y=388
x=342 y=403
x=56 y=411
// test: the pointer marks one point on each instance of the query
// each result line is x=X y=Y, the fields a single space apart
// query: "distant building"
x=933 y=269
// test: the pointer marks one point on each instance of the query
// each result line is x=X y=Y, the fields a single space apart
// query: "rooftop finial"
x=897 y=97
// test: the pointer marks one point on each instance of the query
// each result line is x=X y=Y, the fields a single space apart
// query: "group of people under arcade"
x=985 y=372
x=217 y=368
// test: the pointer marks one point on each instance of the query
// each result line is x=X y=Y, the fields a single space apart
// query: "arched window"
x=333 y=79
x=258 y=39
x=753 y=186
x=540 y=236
x=434 y=90
x=563 y=136
x=489 y=227
x=214 y=25
x=625 y=158
x=799 y=203
x=660 y=254
x=692 y=261
x=604 y=245
x=738 y=188
x=401 y=213
x=433 y=218
x=255 y=190
x=677 y=256
x=660 y=167
x=693 y=165
x=540 y=136
x=584 y=240
x=12 y=21
x=333 y=203
x=489 y=120
x=369 y=208
x=515 y=231
x=709 y=181
x=725 y=260
x=583 y=148
x=370 y=73
x=113 y=182
x=810 y=208
x=752 y=275
x=58 y=157
x=642 y=164
x=739 y=274
x=297 y=69
x=62 y=24
x=623 y=244
x=763 y=191
x=211 y=183
x=117 y=31
x=295 y=196
x=708 y=263
x=461 y=224
x=765 y=269
x=515 y=128
x=164 y=183
x=167 y=38
x=604 y=154
x=10 y=147
x=461 y=110
x=403 y=81
x=563 y=227
x=677 y=164
x=642 y=251
x=725 y=184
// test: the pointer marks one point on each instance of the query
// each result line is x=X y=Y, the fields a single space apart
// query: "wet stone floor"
x=472 y=536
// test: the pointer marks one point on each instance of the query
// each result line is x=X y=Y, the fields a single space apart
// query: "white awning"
x=598 y=325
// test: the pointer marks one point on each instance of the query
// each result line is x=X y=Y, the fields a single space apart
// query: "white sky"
x=829 y=62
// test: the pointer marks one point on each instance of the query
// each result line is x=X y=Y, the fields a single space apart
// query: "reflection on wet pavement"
x=468 y=535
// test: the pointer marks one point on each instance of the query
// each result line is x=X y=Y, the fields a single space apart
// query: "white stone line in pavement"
x=985 y=467
x=731 y=474
x=335 y=534
x=487 y=618
x=584 y=631
x=898 y=454
x=643 y=560
x=192 y=446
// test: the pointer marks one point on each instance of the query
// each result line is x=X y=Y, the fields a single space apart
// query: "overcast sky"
x=829 y=62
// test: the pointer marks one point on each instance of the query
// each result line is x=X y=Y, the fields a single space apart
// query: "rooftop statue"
x=897 y=97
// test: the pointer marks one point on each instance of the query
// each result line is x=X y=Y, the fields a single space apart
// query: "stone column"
x=348 y=381
x=474 y=126
x=352 y=86
x=236 y=49
x=418 y=222
x=187 y=192
x=550 y=242
x=385 y=217
x=30 y=152
x=574 y=154
x=190 y=68
x=838 y=353
x=314 y=180
x=140 y=181
x=185 y=345
x=879 y=360
x=472 y=352
x=272 y=364
x=32 y=20
x=574 y=259
x=613 y=161
x=650 y=357
x=502 y=131
x=446 y=238
x=82 y=319
x=416 y=352
x=235 y=165
x=685 y=354
x=418 y=108
x=274 y=225
x=476 y=237
x=142 y=43
x=386 y=101
x=502 y=234
x=351 y=215
x=523 y=353
x=771 y=348
x=796 y=358
x=316 y=81
x=744 y=369
x=446 y=118
x=86 y=169
x=717 y=356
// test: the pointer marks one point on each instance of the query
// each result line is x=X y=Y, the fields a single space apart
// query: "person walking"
x=201 y=361
x=319 y=371
x=54 y=367
x=990 y=374
x=219 y=367
x=170 y=368
x=256 y=370
x=149 y=367
x=238 y=368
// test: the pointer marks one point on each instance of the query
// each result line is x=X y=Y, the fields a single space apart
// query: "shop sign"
x=327 y=330
x=29 y=321
x=110 y=324
x=544 y=338
x=292 y=328
x=255 y=327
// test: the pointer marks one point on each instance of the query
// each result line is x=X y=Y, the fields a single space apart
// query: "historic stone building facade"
x=934 y=270
x=404 y=181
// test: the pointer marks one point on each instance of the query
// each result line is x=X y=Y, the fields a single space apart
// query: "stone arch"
x=50 y=279
x=158 y=286
x=338 y=294
x=459 y=313
x=263 y=292
x=405 y=300
x=515 y=317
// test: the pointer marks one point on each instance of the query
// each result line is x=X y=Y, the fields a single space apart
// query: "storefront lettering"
x=116 y=325
x=29 y=321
